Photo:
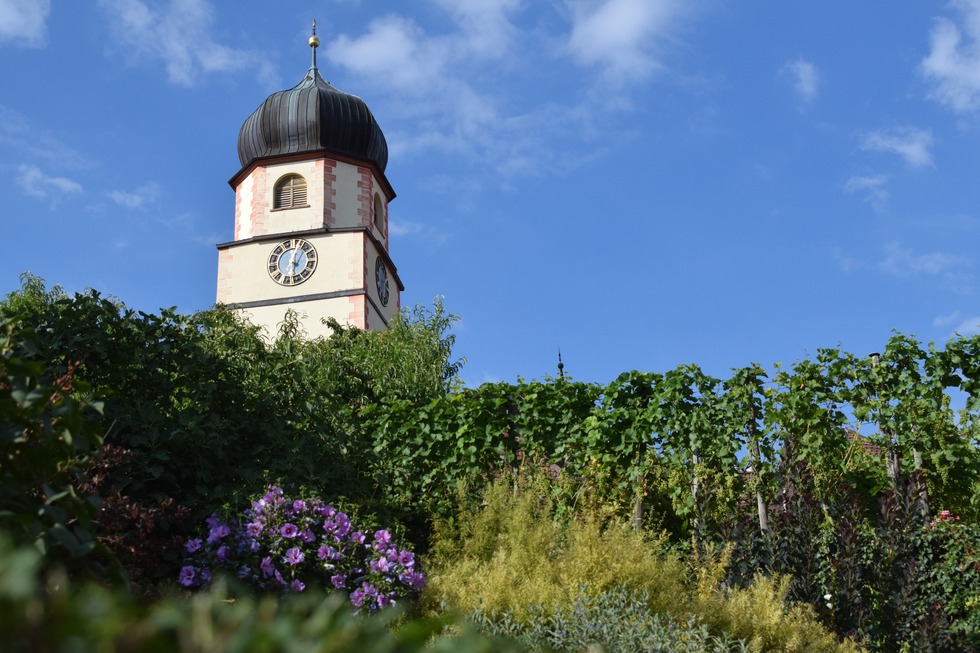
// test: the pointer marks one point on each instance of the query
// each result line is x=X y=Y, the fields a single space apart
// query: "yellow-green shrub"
x=511 y=554
x=759 y=613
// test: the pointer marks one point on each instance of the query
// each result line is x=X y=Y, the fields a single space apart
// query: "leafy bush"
x=288 y=545
x=183 y=391
x=883 y=578
x=50 y=432
x=937 y=607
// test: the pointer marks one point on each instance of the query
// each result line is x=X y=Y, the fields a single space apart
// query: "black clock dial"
x=381 y=279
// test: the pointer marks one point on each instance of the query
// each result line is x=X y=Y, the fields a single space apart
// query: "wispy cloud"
x=871 y=188
x=44 y=187
x=179 y=34
x=964 y=327
x=945 y=320
x=21 y=136
x=953 y=63
x=805 y=78
x=137 y=199
x=622 y=38
x=408 y=228
x=485 y=24
x=845 y=262
x=911 y=143
x=968 y=327
x=23 y=22
x=904 y=262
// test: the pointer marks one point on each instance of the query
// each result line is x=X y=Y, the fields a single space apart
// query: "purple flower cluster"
x=289 y=545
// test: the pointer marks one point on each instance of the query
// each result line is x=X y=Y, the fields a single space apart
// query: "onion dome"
x=310 y=117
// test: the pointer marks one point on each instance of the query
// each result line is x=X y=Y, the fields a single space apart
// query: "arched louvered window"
x=379 y=213
x=290 y=192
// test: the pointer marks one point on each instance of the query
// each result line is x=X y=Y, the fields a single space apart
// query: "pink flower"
x=218 y=531
x=294 y=556
x=267 y=567
x=186 y=577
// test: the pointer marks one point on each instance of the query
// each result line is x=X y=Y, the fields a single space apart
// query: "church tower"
x=311 y=213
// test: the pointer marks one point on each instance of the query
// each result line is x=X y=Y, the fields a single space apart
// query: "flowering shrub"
x=287 y=544
x=944 y=517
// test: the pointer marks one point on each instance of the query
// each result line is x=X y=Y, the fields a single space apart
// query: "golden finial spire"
x=314 y=42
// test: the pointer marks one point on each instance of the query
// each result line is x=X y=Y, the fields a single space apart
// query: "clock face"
x=381 y=279
x=292 y=262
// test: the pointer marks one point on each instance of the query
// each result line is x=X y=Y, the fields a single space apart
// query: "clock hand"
x=291 y=265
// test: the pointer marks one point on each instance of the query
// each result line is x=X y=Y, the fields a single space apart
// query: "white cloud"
x=953 y=64
x=453 y=91
x=872 y=188
x=177 y=33
x=903 y=262
x=37 y=184
x=969 y=326
x=621 y=37
x=137 y=199
x=911 y=143
x=22 y=22
x=396 y=51
x=410 y=68
x=806 y=78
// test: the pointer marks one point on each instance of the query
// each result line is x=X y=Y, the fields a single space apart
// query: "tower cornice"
x=314 y=156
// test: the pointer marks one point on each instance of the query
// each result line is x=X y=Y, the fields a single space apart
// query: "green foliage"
x=615 y=621
x=205 y=412
x=827 y=470
x=50 y=432
x=886 y=579
x=947 y=583
x=412 y=359
x=425 y=451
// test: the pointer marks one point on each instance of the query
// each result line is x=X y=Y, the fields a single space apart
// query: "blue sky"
x=642 y=183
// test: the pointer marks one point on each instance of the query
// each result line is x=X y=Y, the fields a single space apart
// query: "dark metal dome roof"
x=312 y=116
